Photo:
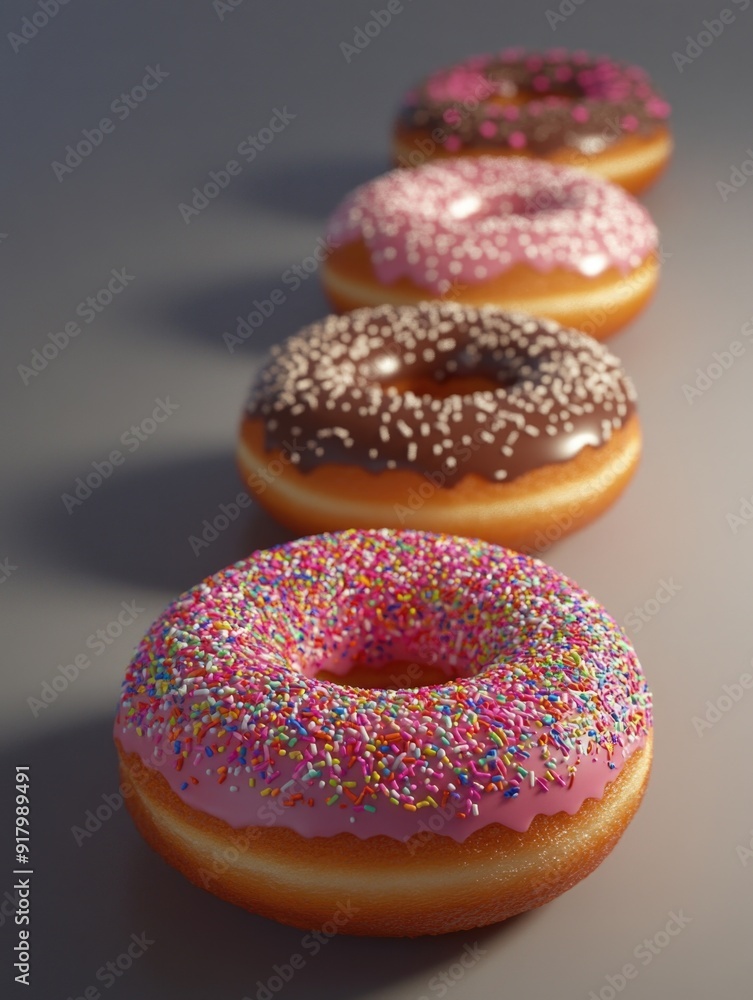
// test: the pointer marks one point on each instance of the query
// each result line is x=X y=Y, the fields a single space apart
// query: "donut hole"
x=440 y=387
x=471 y=209
x=365 y=658
x=459 y=374
x=509 y=92
x=461 y=207
x=540 y=202
x=392 y=675
x=517 y=85
x=395 y=641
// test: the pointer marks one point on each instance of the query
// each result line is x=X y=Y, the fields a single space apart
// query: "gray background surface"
x=162 y=337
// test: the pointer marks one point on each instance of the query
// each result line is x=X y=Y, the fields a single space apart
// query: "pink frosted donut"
x=432 y=808
x=586 y=111
x=519 y=234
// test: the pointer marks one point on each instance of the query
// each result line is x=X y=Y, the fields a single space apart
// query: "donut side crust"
x=527 y=513
x=634 y=162
x=428 y=884
x=598 y=305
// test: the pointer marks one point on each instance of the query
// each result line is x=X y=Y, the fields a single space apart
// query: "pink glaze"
x=222 y=697
x=468 y=220
x=250 y=809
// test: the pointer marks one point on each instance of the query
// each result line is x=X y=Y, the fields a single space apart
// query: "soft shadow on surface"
x=139 y=524
x=107 y=880
x=287 y=298
x=285 y=301
x=311 y=188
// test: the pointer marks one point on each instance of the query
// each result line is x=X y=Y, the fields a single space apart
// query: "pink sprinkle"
x=540 y=83
x=657 y=107
x=462 y=83
x=517 y=140
x=511 y=112
x=452 y=116
x=452 y=143
x=580 y=113
x=488 y=129
x=629 y=123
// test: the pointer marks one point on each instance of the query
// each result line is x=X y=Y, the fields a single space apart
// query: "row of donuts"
x=463 y=388
x=447 y=805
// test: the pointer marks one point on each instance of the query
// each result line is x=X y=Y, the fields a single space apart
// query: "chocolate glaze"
x=539 y=102
x=329 y=396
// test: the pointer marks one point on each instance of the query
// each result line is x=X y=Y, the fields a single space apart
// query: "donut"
x=520 y=234
x=393 y=811
x=570 y=108
x=440 y=417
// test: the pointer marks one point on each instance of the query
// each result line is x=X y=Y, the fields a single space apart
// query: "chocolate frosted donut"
x=587 y=111
x=500 y=424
